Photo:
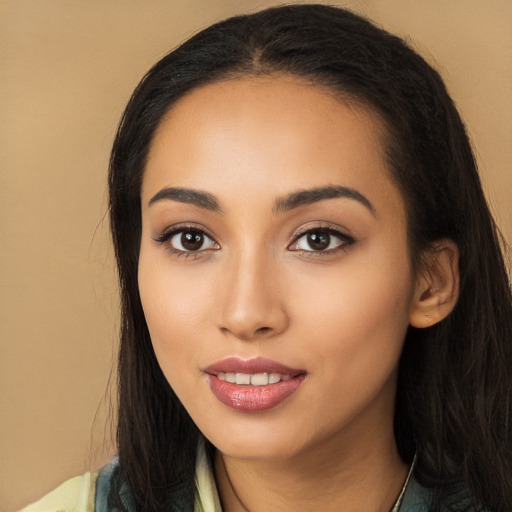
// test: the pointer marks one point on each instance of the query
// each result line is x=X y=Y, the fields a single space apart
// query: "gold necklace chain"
x=398 y=502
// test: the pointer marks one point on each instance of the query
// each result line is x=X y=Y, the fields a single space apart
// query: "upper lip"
x=251 y=366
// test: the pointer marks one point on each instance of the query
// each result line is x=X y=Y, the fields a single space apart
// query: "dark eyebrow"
x=187 y=195
x=305 y=197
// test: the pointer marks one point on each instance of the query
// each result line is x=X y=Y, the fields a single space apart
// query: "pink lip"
x=248 y=398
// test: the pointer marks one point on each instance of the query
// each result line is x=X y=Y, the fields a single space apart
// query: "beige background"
x=67 y=69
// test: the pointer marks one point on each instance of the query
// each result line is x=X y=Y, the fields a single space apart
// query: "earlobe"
x=437 y=285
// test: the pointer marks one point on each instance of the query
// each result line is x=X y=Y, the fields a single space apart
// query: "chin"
x=257 y=443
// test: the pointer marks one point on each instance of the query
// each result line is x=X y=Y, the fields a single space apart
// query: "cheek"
x=176 y=307
x=358 y=316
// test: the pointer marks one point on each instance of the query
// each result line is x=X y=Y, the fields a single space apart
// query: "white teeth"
x=243 y=378
x=259 y=379
x=254 y=379
x=274 y=377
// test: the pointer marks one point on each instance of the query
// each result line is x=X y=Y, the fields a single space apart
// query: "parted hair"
x=455 y=378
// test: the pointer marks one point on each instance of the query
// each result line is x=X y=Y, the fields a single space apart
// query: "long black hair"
x=455 y=378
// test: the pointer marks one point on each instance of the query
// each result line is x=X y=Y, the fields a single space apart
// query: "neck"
x=360 y=477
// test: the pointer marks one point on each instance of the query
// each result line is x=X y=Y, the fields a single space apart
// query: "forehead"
x=267 y=131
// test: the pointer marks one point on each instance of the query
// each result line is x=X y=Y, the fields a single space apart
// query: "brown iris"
x=192 y=240
x=319 y=241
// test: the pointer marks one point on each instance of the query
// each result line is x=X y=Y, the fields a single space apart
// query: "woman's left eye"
x=318 y=240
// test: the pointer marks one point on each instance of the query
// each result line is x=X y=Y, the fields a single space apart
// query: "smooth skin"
x=325 y=285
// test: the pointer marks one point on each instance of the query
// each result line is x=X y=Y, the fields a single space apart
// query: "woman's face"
x=274 y=270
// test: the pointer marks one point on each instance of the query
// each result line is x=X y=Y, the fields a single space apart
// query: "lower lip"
x=253 y=398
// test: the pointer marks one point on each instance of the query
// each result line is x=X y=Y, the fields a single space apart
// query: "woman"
x=316 y=311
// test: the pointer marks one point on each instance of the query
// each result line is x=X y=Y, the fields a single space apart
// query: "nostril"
x=263 y=330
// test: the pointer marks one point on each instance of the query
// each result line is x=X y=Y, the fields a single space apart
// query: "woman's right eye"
x=187 y=241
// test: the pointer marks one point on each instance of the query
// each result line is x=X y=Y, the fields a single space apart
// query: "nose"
x=252 y=306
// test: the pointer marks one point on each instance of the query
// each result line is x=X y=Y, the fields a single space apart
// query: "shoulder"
x=74 y=495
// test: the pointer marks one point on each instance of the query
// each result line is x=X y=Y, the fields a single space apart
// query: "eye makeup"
x=313 y=240
x=321 y=239
x=187 y=240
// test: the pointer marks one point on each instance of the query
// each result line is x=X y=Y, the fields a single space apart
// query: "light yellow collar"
x=208 y=497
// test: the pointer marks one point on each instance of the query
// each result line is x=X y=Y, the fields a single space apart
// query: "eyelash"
x=345 y=240
x=166 y=237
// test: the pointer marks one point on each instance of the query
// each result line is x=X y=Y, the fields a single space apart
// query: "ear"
x=437 y=285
